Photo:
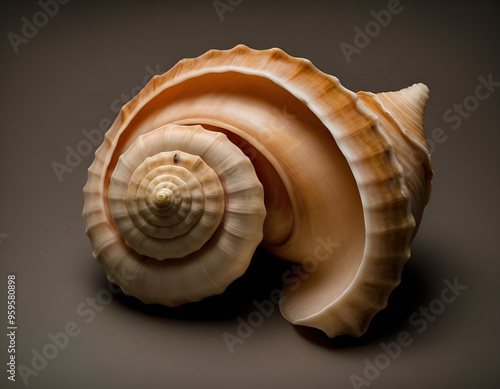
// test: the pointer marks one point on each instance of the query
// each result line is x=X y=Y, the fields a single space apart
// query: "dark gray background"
x=66 y=78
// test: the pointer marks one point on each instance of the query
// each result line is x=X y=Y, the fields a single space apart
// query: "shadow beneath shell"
x=265 y=274
x=403 y=301
x=262 y=276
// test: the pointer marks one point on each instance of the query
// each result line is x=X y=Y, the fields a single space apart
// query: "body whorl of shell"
x=345 y=178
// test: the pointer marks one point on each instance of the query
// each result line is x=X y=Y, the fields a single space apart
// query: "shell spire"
x=401 y=118
x=408 y=106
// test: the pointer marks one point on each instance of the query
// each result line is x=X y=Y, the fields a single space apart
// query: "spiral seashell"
x=242 y=147
x=194 y=197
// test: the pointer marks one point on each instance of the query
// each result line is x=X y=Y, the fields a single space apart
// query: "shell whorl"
x=187 y=203
x=165 y=205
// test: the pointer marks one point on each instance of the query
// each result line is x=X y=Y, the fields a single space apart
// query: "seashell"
x=242 y=147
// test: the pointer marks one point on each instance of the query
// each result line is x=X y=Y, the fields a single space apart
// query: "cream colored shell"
x=345 y=179
x=179 y=192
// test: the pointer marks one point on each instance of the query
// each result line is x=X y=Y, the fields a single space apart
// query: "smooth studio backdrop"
x=66 y=69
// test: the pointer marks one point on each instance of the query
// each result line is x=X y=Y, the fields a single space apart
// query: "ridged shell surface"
x=345 y=178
